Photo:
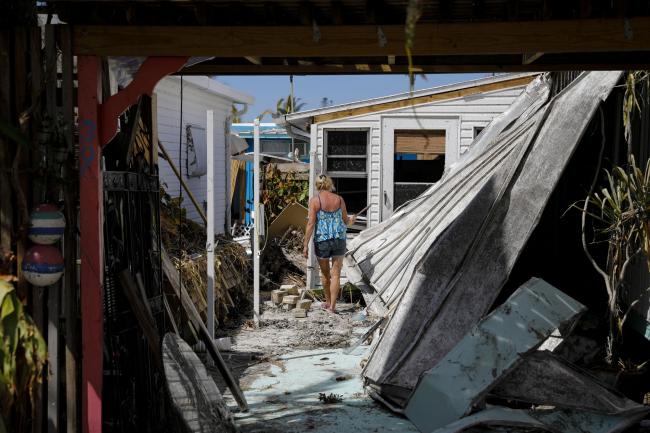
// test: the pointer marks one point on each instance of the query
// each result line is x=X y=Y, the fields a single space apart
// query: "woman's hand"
x=305 y=251
x=352 y=219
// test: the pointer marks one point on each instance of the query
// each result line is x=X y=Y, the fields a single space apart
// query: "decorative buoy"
x=48 y=224
x=42 y=265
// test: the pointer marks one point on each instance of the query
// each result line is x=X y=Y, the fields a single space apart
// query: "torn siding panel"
x=455 y=246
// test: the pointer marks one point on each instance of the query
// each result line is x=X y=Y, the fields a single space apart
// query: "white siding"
x=196 y=102
x=472 y=111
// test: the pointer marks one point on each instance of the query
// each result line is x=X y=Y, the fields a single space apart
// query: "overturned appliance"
x=437 y=266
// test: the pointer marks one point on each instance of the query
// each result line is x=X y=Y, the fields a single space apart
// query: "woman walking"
x=329 y=217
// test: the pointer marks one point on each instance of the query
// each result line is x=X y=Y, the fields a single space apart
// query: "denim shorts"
x=330 y=248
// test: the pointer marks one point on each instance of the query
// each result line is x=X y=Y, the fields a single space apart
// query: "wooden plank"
x=154 y=131
x=70 y=240
x=142 y=314
x=21 y=161
x=170 y=161
x=430 y=141
x=560 y=36
x=409 y=102
x=37 y=298
x=54 y=291
x=470 y=65
x=6 y=208
x=195 y=319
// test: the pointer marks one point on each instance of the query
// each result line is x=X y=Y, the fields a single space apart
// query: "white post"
x=258 y=223
x=209 y=245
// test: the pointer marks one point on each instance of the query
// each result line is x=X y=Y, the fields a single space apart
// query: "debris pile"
x=446 y=357
x=231 y=287
x=184 y=240
x=282 y=260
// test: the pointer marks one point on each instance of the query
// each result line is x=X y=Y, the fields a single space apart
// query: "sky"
x=341 y=89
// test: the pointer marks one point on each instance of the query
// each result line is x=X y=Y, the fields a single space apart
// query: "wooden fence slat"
x=54 y=291
x=70 y=240
x=36 y=66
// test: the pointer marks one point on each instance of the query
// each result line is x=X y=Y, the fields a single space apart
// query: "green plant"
x=236 y=114
x=280 y=189
x=621 y=217
x=287 y=106
x=23 y=357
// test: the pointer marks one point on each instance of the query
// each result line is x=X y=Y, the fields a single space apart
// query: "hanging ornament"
x=47 y=226
x=42 y=265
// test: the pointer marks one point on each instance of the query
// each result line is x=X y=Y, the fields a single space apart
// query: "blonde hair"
x=324 y=183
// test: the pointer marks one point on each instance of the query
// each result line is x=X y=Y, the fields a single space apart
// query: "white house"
x=387 y=150
x=199 y=94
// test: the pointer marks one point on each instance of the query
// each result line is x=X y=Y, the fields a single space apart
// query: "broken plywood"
x=461 y=379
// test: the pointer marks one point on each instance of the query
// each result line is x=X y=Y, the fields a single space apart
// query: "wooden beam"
x=70 y=240
x=409 y=102
x=6 y=205
x=528 y=58
x=91 y=243
x=565 y=36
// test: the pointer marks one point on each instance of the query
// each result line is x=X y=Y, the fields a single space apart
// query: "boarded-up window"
x=419 y=162
x=420 y=142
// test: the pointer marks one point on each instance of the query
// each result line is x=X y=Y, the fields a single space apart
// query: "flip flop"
x=325 y=306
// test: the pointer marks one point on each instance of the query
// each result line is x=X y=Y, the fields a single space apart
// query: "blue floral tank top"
x=329 y=224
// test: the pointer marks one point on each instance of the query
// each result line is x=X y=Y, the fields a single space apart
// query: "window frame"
x=326 y=156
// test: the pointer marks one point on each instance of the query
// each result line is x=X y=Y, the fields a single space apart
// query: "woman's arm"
x=347 y=219
x=311 y=223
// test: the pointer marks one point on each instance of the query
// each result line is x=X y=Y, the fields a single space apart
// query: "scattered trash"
x=329 y=399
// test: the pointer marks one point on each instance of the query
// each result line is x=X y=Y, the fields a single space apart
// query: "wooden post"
x=69 y=240
x=257 y=223
x=6 y=209
x=91 y=248
x=209 y=245
x=53 y=291
x=36 y=61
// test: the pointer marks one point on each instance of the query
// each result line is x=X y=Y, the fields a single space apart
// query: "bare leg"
x=335 y=284
x=325 y=278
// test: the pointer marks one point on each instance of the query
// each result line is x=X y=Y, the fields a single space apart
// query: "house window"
x=346 y=159
x=419 y=162
x=477 y=130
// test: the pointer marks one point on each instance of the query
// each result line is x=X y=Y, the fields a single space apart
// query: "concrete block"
x=290 y=299
x=287 y=307
x=299 y=313
x=224 y=344
x=277 y=296
x=305 y=304
x=291 y=289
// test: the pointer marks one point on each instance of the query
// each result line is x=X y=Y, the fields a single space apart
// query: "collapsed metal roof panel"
x=441 y=260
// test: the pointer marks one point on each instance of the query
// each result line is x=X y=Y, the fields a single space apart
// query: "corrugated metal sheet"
x=442 y=260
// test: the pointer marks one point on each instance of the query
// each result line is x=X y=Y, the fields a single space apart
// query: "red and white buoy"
x=42 y=265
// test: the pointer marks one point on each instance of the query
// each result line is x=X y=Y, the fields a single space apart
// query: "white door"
x=413 y=157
